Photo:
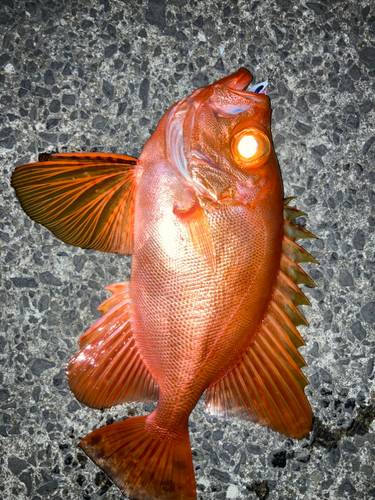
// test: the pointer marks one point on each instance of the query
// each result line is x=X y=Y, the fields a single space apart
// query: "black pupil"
x=259 y=89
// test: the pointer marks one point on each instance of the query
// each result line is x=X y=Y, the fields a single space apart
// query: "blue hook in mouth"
x=259 y=88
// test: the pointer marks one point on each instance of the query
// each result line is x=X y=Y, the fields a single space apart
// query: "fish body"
x=211 y=303
x=192 y=322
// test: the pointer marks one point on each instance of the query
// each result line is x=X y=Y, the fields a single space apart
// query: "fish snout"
x=236 y=81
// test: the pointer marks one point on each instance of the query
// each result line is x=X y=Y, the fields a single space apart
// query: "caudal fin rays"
x=143 y=466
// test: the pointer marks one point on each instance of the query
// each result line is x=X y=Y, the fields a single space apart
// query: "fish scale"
x=212 y=303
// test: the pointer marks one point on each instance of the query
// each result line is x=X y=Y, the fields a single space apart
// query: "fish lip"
x=239 y=80
x=244 y=78
x=258 y=98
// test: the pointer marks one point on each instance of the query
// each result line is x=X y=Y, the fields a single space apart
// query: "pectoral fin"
x=195 y=221
x=85 y=199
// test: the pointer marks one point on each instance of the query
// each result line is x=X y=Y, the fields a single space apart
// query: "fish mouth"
x=240 y=80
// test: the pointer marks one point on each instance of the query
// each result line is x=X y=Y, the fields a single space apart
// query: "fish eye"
x=249 y=147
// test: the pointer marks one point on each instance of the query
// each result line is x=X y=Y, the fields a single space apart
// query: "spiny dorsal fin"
x=295 y=252
x=292 y=269
x=287 y=305
x=287 y=286
x=291 y=213
x=267 y=385
x=285 y=322
x=286 y=293
x=288 y=200
x=295 y=232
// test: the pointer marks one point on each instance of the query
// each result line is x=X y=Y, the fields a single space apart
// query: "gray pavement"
x=98 y=75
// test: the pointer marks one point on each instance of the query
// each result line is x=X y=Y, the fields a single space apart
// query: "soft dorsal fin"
x=267 y=385
x=85 y=199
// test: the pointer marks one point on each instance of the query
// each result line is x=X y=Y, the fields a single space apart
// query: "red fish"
x=211 y=305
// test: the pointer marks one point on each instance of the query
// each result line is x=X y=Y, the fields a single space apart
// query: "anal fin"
x=108 y=370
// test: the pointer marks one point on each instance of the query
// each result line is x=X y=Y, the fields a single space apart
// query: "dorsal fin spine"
x=267 y=384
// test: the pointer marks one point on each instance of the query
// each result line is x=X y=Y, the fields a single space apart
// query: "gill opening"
x=175 y=141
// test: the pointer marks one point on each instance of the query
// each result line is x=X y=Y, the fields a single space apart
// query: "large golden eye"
x=250 y=147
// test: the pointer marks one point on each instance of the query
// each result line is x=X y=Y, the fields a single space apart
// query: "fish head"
x=219 y=140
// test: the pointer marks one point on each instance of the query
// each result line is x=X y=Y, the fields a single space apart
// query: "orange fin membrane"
x=85 y=199
x=120 y=292
x=108 y=370
x=267 y=386
x=142 y=466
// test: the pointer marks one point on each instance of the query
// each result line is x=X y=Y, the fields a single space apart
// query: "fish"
x=211 y=306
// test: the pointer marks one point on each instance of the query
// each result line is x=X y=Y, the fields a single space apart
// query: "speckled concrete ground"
x=98 y=75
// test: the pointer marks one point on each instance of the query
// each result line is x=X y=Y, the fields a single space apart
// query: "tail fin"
x=142 y=466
